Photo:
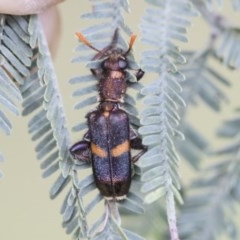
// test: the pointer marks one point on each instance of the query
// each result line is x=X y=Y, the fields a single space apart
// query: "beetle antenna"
x=85 y=41
x=132 y=40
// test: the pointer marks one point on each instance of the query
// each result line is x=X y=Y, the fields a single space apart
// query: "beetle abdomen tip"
x=118 y=198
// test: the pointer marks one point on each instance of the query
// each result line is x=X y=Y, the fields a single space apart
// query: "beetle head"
x=115 y=60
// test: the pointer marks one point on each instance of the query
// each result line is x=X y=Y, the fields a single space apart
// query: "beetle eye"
x=122 y=64
x=105 y=64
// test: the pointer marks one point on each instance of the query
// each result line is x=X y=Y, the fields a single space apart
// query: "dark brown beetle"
x=109 y=140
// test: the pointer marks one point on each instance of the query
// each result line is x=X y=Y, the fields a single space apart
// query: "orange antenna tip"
x=85 y=41
x=82 y=38
x=132 y=40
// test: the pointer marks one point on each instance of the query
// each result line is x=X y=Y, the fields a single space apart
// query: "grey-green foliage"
x=27 y=72
x=15 y=58
x=42 y=101
x=212 y=199
x=152 y=224
x=203 y=84
x=160 y=118
x=100 y=36
x=228 y=49
x=112 y=229
x=235 y=4
x=209 y=211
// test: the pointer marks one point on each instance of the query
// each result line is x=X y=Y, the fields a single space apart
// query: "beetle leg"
x=139 y=74
x=98 y=73
x=136 y=143
x=81 y=151
x=94 y=71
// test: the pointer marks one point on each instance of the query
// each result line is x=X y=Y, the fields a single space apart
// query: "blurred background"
x=26 y=212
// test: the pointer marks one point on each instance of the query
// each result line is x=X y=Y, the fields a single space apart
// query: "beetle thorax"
x=107 y=107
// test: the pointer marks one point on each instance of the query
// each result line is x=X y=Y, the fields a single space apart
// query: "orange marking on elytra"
x=120 y=149
x=98 y=151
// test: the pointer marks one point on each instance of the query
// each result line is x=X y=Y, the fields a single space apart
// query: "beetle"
x=110 y=138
